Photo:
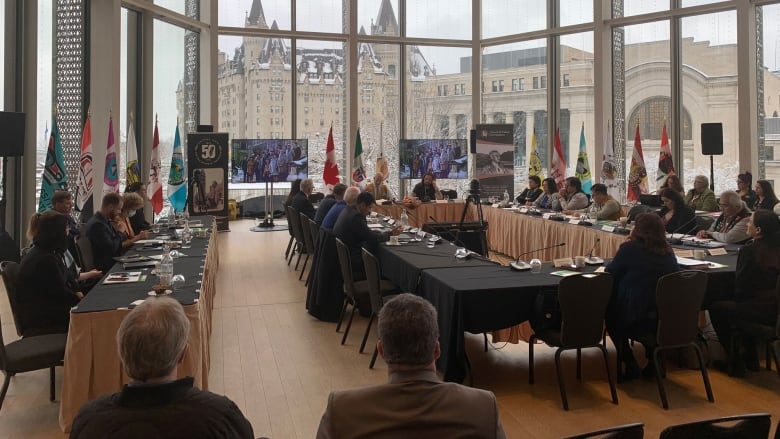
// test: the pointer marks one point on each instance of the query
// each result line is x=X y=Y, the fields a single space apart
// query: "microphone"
x=520 y=265
x=594 y=259
x=677 y=241
x=590 y=253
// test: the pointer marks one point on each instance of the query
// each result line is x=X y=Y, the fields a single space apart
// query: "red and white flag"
x=637 y=176
x=330 y=174
x=558 y=171
x=84 y=182
x=665 y=162
x=154 y=188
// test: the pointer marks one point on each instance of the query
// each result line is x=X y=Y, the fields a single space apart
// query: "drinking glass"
x=536 y=266
x=156 y=228
x=420 y=235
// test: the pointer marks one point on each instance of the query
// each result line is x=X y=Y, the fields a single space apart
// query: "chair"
x=452 y=194
x=10 y=272
x=679 y=297
x=354 y=292
x=636 y=210
x=627 y=431
x=752 y=426
x=31 y=353
x=308 y=240
x=769 y=333
x=379 y=291
x=292 y=236
x=583 y=300
x=84 y=247
x=316 y=197
x=294 y=218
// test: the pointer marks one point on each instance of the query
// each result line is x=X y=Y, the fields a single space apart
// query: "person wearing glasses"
x=701 y=197
x=571 y=196
x=732 y=225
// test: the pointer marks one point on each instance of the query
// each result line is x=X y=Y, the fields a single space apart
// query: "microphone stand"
x=677 y=241
x=520 y=265
x=594 y=260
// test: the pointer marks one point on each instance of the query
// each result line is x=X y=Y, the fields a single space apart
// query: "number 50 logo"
x=208 y=151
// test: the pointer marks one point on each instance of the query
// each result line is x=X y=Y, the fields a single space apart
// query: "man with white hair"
x=414 y=402
x=152 y=343
x=301 y=201
x=731 y=226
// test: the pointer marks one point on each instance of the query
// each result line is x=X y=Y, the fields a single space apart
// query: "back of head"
x=339 y=189
x=746 y=177
x=60 y=195
x=650 y=231
x=50 y=233
x=307 y=185
x=673 y=195
x=408 y=330
x=598 y=188
x=351 y=195
x=32 y=226
x=366 y=199
x=152 y=338
x=731 y=198
x=132 y=201
x=110 y=200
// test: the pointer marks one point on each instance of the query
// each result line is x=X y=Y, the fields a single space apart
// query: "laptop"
x=652 y=200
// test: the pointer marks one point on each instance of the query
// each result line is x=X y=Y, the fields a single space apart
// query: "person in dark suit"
x=352 y=229
x=532 y=192
x=46 y=288
x=62 y=202
x=152 y=342
x=414 y=402
x=106 y=241
x=329 y=201
x=758 y=266
x=676 y=215
x=638 y=263
x=300 y=201
x=350 y=198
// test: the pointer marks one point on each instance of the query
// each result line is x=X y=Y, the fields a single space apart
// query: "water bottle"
x=507 y=199
x=186 y=234
x=165 y=272
x=171 y=217
x=404 y=219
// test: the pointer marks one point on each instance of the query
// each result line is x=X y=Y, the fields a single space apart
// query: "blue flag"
x=54 y=176
x=582 y=172
x=177 y=189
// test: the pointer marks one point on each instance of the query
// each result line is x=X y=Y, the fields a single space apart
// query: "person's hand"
x=94 y=273
x=79 y=294
x=144 y=234
x=562 y=192
x=703 y=234
x=397 y=231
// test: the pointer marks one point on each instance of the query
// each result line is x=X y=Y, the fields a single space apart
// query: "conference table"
x=92 y=366
x=474 y=295
x=419 y=215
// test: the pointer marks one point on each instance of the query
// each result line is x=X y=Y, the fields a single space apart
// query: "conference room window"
x=709 y=59
x=386 y=25
x=318 y=15
x=178 y=6
x=768 y=17
x=575 y=12
x=639 y=7
x=419 y=22
x=576 y=59
x=504 y=17
x=44 y=87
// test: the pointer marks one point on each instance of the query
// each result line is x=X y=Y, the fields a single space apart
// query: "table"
x=442 y=212
x=92 y=366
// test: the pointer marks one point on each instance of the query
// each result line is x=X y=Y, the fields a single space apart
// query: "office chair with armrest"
x=752 y=426
x=379 y=291
x=355 y=292
x=627 y=431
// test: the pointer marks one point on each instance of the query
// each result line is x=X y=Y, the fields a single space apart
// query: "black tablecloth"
x=112 y=296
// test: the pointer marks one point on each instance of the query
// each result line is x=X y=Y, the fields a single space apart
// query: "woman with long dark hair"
x=758 y=266
x=295 y=187
x=638 y=263
x=46 y=288
x=765 y=196
x=676 y=215
x=548 y=195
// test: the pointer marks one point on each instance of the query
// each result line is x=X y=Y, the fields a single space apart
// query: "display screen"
x=445 y=158
x=268 y=160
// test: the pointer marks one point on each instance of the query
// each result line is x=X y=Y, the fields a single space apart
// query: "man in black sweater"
x=106 y=242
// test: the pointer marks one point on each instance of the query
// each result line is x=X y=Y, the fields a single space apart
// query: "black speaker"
x=12 y=127
x=205 y=128
x=712 y=138
x=473 y=141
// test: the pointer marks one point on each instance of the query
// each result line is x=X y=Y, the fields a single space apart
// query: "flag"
x=583 y=167
x=133 y=167
x=154 y=189
x=177 y=189
x=558 y=171
x=534 y=161
x=608 y=168
x=54 y=176
x=111 y=175
x=665 y=162
x=381 y=162
x=637 y=177
x=84 y=182
x=330 y=173
x=358 y=173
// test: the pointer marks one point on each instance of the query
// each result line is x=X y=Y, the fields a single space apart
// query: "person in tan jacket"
x=414 y=402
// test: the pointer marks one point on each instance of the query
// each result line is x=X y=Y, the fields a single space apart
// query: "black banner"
x=207 y=165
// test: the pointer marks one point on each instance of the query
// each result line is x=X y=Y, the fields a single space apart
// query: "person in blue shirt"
x=350 y=198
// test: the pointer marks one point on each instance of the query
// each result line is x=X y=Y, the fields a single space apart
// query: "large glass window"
x=709 y=93
x=256 y=14
x=575 y=12
x=378 y=17
x=320 y=16
x=439 y=19
x=44 y=84
x=770 y=90
x=506 y=17
x=178 y=6
x=638 y=7
x=576 y=97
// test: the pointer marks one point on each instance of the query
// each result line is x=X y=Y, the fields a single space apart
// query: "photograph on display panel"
x=444 y=158
x=268 y=160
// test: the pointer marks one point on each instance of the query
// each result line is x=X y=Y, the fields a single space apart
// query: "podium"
x=471 y=235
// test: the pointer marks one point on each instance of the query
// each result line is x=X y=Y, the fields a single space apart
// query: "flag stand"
x=268 y=205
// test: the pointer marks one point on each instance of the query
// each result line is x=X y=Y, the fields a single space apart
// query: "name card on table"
x=683 y=253
x=547 y=215
x=608 y=229
x=718 y=251
x=494 y=205
x=442 y=201
x=563 y=262
x=576 y=222
x=523 y=210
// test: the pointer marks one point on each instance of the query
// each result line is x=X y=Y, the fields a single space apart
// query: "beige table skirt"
x=443 y=212
x=92 y=365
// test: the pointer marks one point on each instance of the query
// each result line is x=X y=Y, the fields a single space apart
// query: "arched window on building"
x=651 y=115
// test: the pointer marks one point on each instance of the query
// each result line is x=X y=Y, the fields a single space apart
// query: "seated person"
x=548 y=196
x=532 y=192
x=758 y=265
x=731 y=225
x=352 y=229
x=571 y=196
x=350 y=198
x=106 y=241
x=300 y=201
x=414 y=402
x=701 y=197
x=131 y=203
x=604 y=207
x=676 y=215
x=427 y=189
x=46 y=289
x=329 y=201
x=62 y=202
x=765 y=196
x=636 y=267
x=745 y=189
x=138 y=221
x=152 y=342
x=378 y=188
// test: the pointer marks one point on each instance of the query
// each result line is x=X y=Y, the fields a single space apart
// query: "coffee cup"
x=699 y=255
x=393 y=240
x=579 y=261
x=623 y=221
